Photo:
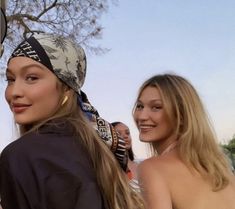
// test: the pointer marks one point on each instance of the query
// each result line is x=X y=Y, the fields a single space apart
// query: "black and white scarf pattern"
x=63 y=57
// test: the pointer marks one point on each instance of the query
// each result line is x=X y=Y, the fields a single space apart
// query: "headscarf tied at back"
x=67 y=61
x=105 y=130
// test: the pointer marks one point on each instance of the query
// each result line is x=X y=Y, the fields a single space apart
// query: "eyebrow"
x=153 y=100
x=26 y=67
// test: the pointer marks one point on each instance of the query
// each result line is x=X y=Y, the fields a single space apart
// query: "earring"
x=64 y=100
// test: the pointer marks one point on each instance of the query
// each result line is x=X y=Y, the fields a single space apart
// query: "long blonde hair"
x=112 y=181
x=198 y=146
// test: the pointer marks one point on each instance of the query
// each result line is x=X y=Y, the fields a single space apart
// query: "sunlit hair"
x=112 y=181
x=198 y=146
x=129 y=151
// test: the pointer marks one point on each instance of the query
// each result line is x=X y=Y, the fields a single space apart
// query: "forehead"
x=150 y=93
x=17 y=64
x=121 y=126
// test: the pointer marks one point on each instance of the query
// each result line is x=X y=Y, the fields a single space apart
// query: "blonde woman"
x=188 y=168
x=59 y=162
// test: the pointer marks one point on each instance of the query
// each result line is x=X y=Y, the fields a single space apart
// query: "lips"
x=145 y=128
x=19 y=108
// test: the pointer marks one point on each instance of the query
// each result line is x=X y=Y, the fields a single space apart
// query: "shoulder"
x=160 y=169
x=156 y=162
x=150 y=167
x=18 y=146
x=153 y=172
x=46 y=150
x=40 y=144
x=154 y=186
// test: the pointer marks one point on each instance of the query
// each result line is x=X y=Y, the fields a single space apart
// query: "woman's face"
x=124 y=132
x=32 y=91
x=151 y=118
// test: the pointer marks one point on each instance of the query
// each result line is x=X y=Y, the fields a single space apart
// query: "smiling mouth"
x=146 y=128
x=19 y=108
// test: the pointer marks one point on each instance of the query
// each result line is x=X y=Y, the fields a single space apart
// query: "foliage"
x=229 y=150
x=230 y=145
x=77 y=19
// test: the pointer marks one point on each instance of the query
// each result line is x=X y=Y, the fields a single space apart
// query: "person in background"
x=123 y=130
x=59 y=161
x=3 y=24
x=188 y=168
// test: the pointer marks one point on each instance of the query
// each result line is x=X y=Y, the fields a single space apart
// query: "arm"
x=153 y=187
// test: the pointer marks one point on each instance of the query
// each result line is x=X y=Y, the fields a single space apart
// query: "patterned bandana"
x=60 y=55
x=68 y=62
x=105 y=130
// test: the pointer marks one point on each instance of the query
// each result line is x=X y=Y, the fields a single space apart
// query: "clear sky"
x=195 y=39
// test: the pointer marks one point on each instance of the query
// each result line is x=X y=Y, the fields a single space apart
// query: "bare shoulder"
x=161 y=164
x=153 y=185
x=150 y=166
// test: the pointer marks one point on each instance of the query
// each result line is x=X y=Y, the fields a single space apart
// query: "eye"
x=31 y=78
x=156 y=107
x=139 y=106
x=9 y=79
x=128 y=133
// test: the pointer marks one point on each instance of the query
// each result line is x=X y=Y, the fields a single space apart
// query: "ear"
x=69 y=92
x=65 y=89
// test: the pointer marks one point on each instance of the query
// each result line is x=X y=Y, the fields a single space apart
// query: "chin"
x=23 y=122
x=147 y=138
x=144 y=139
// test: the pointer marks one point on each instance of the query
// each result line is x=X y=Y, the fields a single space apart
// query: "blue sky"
x=195 y=39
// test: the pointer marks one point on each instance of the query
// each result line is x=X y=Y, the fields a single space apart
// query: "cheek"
x=135 y=116
x=7 y=94
x=167 y=126
x=46 y=94
x=129 y=139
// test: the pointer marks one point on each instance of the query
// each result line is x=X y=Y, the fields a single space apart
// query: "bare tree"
x=77 y=19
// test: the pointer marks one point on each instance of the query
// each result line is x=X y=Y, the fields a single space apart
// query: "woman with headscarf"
x=59 y=161
x=131 y=171
x=124 y=131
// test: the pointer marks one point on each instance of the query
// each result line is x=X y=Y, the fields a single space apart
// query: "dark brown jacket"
x=48 y=169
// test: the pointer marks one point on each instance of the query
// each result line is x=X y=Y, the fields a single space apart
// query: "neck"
x=166 y=148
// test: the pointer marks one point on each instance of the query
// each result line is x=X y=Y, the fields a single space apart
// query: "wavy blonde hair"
x=198 y=146
x=112 y=181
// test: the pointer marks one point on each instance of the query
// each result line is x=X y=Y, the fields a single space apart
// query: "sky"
x=195 y=39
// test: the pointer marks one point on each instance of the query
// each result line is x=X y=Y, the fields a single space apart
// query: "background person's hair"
x=197 y=141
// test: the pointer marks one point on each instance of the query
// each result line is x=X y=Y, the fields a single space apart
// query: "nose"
x=141 y=115
x=14 y=90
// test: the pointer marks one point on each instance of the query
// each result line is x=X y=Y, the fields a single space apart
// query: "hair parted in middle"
x=197 y=140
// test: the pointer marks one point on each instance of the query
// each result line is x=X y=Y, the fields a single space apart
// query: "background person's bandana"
x=68 y=62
